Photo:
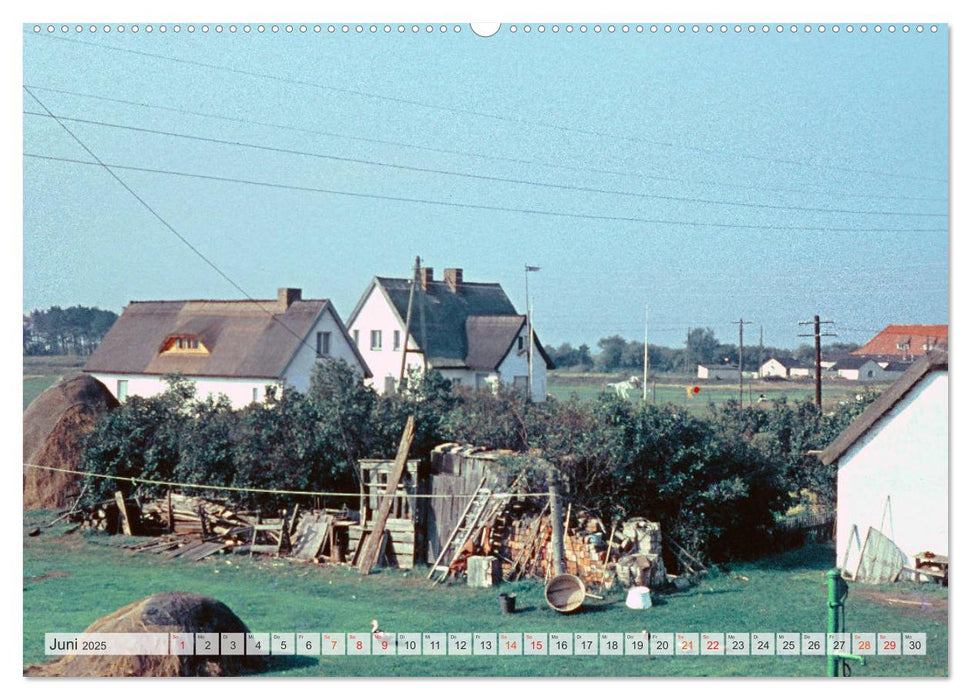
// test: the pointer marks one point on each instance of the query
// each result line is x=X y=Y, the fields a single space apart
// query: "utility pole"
x=411 y=301
x=646 y=358
x=760 y=351
x=819 y=358
x=529 y=336
x=741 y=351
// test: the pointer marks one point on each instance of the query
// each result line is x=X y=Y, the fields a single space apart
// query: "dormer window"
x=184 y=344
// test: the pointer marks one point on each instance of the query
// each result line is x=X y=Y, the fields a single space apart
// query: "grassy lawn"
x=671 y=390
x=71 y=580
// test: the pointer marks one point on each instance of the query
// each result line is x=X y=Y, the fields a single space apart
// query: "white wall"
x=377 y=314
x=239 y=391
x=905 y=456
x=515 y=365
x=297 y=374
x=774 y=368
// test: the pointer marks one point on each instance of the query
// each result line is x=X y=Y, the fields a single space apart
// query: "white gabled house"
x=468 y=331
x=892 y=466
x=236 y=348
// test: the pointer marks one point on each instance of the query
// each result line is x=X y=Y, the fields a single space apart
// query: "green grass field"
x=41 y=373
x=672 y=390
x=71 y=580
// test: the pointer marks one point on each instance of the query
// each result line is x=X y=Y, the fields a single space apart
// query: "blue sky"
x=727 y=147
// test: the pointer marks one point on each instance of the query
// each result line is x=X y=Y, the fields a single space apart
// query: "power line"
x=476 y=176
x=474 y=154
x=484 y=207
x=487 y=115
x=165 y=223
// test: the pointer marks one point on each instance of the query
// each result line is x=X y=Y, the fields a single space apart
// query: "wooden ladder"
x=463 y=530
x=477 y=513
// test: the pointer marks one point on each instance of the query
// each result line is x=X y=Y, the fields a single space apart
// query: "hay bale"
x=54 y=425
x=162 y=612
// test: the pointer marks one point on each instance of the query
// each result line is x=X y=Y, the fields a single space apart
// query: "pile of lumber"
x=192 y=515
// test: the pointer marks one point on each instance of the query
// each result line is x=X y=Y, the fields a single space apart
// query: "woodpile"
x=520 y=538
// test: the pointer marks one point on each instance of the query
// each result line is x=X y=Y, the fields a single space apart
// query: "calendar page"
x=525 y=349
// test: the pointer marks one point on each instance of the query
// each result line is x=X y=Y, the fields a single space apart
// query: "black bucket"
x=507 y=603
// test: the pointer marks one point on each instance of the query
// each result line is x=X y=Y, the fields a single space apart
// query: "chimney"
x=453 y=278
x=285 y=296
x=426 y=275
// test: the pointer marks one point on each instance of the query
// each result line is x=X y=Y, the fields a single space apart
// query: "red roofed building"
x=905 y=342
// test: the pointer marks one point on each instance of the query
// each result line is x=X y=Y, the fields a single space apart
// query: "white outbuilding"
x=892 y=465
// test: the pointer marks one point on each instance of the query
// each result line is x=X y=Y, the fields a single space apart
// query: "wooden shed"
x=406 y=522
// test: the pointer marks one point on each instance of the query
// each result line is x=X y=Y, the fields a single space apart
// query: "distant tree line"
x=76 y=330
x=702 y=347
x=716 y=484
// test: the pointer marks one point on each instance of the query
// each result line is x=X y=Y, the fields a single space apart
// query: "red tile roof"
x=887 y=341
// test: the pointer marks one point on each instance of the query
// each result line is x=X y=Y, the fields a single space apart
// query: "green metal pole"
x=832 y=625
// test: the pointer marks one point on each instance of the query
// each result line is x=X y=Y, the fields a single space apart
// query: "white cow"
x=622 y=389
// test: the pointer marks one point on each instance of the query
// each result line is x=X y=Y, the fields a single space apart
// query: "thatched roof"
x=251 y=339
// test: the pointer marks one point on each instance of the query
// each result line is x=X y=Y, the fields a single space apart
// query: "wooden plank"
x=372 y=551
x=126 y=526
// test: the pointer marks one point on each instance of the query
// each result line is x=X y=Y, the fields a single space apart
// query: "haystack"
x=162 y=612
x=54 y=424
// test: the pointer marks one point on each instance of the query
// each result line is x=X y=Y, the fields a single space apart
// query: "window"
x=357 y=338
x=397 y=340
x=521 y=343
x=375 y=340
x=520 y=383
x=323 y=344
x=184 y=343
x=256 y=394
x=122 y=390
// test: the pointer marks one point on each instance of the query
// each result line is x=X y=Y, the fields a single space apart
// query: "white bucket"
x=639 y=598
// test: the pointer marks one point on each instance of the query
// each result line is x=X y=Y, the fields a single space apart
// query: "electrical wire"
x=485 y=207
x=487 y=115
x=487 y=156
x=476 y=176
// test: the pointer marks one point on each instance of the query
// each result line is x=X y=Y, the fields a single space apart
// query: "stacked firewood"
x=521 y=539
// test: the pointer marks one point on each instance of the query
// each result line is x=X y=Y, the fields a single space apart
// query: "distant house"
x=236 y=348
x=863 y=369
x=718 y=372
x=891 y=371
x=469 y=331
x=899 y=342
x=892 y=464
x=784 y=368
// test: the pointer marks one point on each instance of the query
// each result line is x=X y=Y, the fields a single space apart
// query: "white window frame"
x=375 y=340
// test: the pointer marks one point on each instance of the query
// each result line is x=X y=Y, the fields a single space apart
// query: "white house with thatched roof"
x=468 y=331
x=237 y=348
x=892 y=464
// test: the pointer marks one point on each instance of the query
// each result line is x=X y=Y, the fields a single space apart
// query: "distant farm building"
x=237 y=348
x=892 y=466
x=717 y=372
x=899 y=342
x=862 y=369
x=784 y=368
x=468 y=331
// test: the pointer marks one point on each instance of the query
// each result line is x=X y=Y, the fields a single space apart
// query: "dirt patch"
x=909 y=603
x=44 y=577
